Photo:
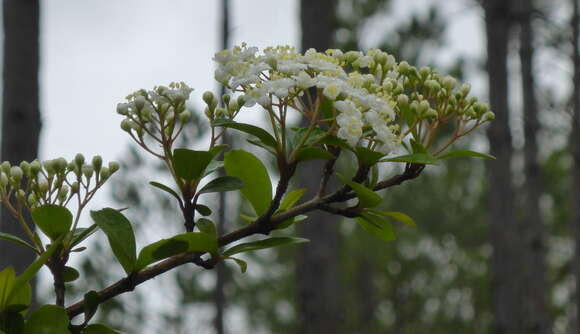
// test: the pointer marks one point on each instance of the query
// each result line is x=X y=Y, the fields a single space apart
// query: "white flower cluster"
x=279 y=75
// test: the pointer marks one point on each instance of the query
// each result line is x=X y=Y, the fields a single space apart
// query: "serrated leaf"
x=203 y=210
x=166 y=189
x=120 y=234
x=222 y=184
x=415 y=158
x=376 y=226
x=189 y=164
x=241 y=263
x=262 y=244
x=367 y=197
x=206 y=226
x=48 y=319
x=257 y=185
x=467 y=154
x=70 y=274
x=313 y=153
x=399 y=216
x=13 y=238
x=53 y=220
x=260 y=133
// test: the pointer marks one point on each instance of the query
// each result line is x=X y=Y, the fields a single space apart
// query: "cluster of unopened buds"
x=56 y=181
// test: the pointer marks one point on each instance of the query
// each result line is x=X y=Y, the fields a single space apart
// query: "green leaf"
x=217 y=149
x=48 y=319
x=190 y=165
x=222 y=184
x=335 y=141
x=70 y=274
x=99 y=329
x=399 y=216
x=260 y=133
x=13 y=238
x=166 y=189
x=265 y=243
x=120 y=235
x=415 y=158
x=12 y=322
x=7 y=278
x=21 y=281
x=203 y=210
x=181 y=243
x=289 y=222
x=91 y=304
x=241 y=263
x=313 y=153
x=257 y=185
x=314 y=136
x=291 y=198
x=418 y=147
x=160 y=250
x=465 y=153
x=326 y=107
x=206 y=226
x=367 y=198
x=53 y=220
x=368 y=157
x=21 y=299
x=409 y=117
x=213 y=166
x=81 y=233
x=376 y=226
x=258 y=143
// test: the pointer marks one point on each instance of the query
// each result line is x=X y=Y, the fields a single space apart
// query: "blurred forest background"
x=494 y=250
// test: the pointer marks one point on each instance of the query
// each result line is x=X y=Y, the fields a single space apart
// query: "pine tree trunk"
x=317 y=265
x=503 y=229
x=20 y=113
x=575 y=146
x=221 y=270
x=534 y=285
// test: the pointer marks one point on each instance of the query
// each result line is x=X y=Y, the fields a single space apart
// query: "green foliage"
x=120 y=235
x=252 y=172
x=48 y=319
x=53 y=220
x=190 y=165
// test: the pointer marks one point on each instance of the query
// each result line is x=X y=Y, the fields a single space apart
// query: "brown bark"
x=534 y=285
x=317 y=265
x=20 y=113
x=575 y=146
x=503 y=230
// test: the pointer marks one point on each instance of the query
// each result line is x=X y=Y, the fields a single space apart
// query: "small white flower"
x=303 y=80
x=290 y=67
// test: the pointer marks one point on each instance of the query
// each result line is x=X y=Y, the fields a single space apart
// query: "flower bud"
x=449 y=82
x=3 y=180
x=97 y=163
x=403 y=67
x=423 y=107
x=122 y=109
x=464 y=89
x=424 y=72
x=105 y=173
x=87 y=171
x=5 y=167
x=125 y=125
x=402 y=100
x=74 y=187
x=63 y=193
x=209 y=99
x=25 y=166
x=79 y=159
x=431 y=113
x=139 y=102
x=488 y=116
x=21 y=194
x=113 y=167
x=43 y=186
x=60 y=165
x=226 y=99
x=233 y=106
x=16 y=173
x=185 y=116
x=32 y=200
x=433 y=86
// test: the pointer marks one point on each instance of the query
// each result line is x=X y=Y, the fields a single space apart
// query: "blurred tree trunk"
x=534 y=286
x=505 y=267
x=221 y=270
x=317 y=265
x=20 y=114
x=575 y=146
